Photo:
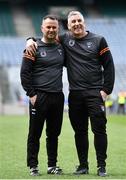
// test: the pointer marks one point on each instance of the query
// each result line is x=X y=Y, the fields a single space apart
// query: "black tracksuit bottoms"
x=49 y=107
x=82 y=105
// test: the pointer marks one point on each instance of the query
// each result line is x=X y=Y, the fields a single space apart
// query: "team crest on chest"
x=89 y=44
x=43 y=54
x=71 y=42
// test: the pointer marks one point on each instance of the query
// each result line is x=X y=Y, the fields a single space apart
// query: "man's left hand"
x=103 y=94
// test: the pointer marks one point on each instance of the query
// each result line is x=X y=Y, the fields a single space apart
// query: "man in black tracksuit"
x=91 y=77
x=41 y=78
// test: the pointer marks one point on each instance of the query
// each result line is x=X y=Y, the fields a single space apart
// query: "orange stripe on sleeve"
x=104 y=50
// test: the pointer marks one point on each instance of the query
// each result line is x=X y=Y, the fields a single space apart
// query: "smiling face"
x=76 y=25
x=50 y=29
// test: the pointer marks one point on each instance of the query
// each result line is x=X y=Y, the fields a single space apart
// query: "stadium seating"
x=112 y=8
x=7 y=27
x=37 y=12
x=11 y=50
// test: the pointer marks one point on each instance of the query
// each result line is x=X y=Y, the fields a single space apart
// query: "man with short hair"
x=41 y=78
x=91 y=77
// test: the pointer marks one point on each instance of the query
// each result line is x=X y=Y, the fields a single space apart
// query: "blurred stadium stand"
x=7 y=27
x=21 y=19
x=111 y=8
x=11 y=49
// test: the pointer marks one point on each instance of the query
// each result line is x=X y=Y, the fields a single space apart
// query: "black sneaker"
x=101 y=172
x=34 y=171
x=54 y=170
x=81 y=170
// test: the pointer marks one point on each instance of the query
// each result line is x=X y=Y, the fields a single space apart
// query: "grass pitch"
x=13 y=136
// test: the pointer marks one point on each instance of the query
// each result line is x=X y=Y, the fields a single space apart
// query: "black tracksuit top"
x=44 y=70
x=89 y=62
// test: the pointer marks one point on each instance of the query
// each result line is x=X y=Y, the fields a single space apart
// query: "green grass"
x=13 y=136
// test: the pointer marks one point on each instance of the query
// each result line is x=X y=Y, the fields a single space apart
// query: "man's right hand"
x=31 y=46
